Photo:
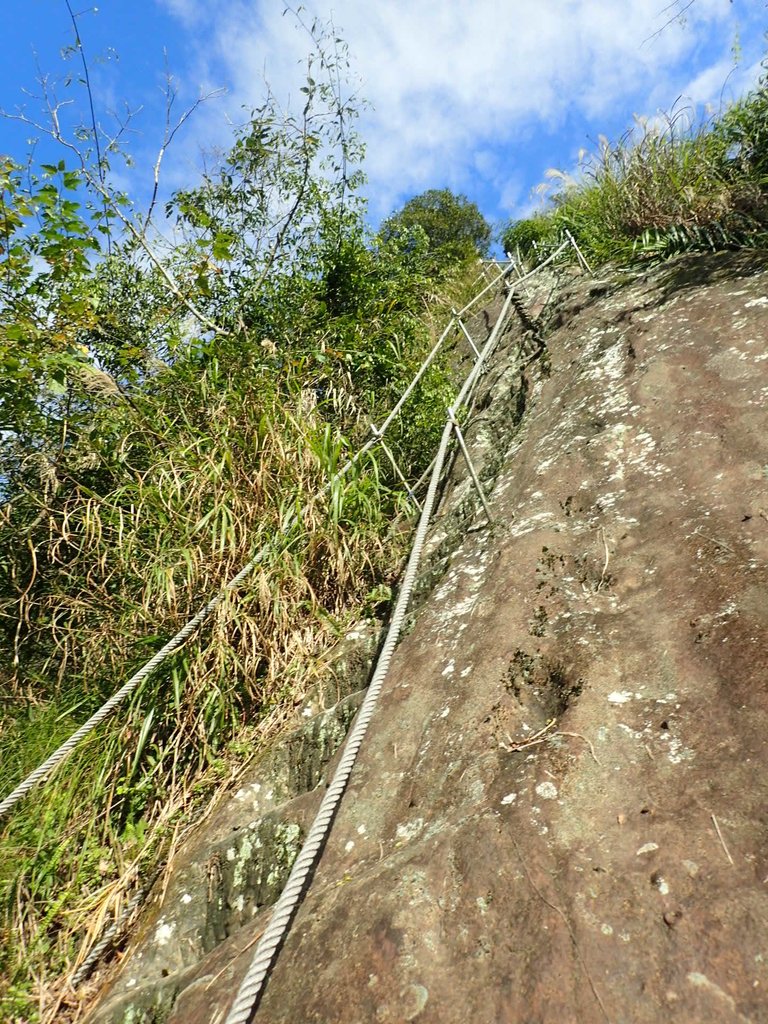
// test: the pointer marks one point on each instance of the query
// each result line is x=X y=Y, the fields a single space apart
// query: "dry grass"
x=102 y=579
x=103 y=565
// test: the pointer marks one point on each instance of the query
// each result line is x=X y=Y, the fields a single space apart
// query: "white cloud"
x=187 y=11
x=721 y=83
x=454 y=85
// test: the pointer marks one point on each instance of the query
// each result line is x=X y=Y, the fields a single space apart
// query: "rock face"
x=560 y=812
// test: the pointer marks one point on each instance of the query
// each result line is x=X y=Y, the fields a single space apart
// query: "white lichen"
x=647 y=848
x=547 y=791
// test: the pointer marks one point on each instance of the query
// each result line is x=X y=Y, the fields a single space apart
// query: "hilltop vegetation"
x=669 y=185
x=454 y=226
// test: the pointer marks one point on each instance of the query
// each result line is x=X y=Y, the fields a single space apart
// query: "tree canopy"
x=454 y=226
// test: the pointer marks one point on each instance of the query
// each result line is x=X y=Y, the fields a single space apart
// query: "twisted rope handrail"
x=46 y=769
x=250 y=990
x=99 y=949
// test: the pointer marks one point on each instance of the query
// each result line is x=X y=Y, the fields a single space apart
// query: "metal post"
x=516 y=264
x=579 y=253
x=519 y=259
x=470 y=466
x=466 y=333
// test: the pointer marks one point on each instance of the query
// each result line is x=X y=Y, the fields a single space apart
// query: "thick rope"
x=117 y=699
x=249 y=993
x=47 y=768
x=107 y=710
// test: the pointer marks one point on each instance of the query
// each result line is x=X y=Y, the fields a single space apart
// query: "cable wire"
x=248 y=996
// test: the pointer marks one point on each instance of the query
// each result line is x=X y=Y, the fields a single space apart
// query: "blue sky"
x=481 y=96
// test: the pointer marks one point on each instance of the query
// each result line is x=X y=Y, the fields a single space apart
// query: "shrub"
x=521 y=234
x=455 y=228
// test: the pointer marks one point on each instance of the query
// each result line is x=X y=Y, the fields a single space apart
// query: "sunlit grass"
x=670 y=184
x=206 y=468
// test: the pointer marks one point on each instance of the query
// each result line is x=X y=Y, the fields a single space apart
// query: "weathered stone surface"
x=240 y=858
x=560 y=812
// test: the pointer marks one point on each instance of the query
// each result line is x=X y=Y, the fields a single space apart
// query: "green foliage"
x=164 y=411
x=742 y=133
x=253 y=220
x=106 y=551
x=665 y=187
x=521 y=234
x=45 y=299
x=455 y=228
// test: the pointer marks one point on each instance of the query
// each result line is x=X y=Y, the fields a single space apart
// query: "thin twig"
x=228 y=964
x=675 y=17
x=578 y=736
x=722 y=841
x=89 y=93
x=530 y=741
x=713 y=540
x=168 y=863
x=607 y=559
x=170 y=132
x=567 y=923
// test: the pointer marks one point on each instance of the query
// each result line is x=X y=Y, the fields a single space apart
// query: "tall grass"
x=105 y=558
x=669 y=184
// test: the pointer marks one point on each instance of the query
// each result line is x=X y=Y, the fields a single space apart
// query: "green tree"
x=455 y=227
x=521 y=234
x=47 y=301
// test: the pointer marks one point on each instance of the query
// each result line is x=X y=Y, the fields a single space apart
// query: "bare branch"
x=112 y=141
x=138 y=236
x=81 y=51
x=89 y=93
x=297 y=200
x=168 y=137
x=675 y=17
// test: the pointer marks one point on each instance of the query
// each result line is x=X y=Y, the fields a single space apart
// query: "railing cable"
x=248 y=996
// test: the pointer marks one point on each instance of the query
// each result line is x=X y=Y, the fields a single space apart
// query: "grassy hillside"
x=669 y=185
x=166 y=411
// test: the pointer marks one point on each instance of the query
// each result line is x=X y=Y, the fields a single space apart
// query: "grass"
x=668 y=185
x=102 y=565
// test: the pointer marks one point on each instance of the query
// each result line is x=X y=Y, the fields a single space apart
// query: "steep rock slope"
x=560 y=812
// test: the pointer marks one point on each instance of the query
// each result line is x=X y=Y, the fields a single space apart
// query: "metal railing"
x=452 y=428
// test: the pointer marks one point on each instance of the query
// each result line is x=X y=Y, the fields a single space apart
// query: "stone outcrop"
x=560 y=812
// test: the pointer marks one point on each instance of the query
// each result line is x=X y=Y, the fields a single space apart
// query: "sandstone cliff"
x=560 y=812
